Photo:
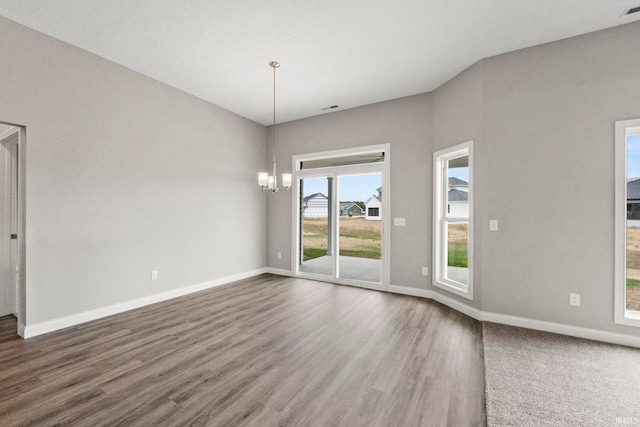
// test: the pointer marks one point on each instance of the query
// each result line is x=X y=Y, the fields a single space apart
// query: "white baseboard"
x=86 y=316
x=326 y=279
x=539 y=325
x=279 y=272
x=414 y=292
x=522 y=322
x=429 y=294
x=458 y=306
x=563 y=329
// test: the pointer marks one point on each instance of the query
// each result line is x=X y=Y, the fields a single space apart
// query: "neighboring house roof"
x=457 y=182
x=372 y=197
x=458 y=195
x=348 y=205
x=306 y=199
x=633 y=189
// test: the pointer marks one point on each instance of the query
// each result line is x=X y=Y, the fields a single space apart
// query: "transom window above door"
x=328 y=161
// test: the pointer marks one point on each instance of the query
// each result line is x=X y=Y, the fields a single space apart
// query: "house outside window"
x=373 y=205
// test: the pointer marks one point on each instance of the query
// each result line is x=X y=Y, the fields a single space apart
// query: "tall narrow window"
x=453 y=220
x=627 y=229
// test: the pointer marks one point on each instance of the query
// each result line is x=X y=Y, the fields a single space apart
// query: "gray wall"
x=547 y=173
x=405 y=124
x=457 y=118
x=542 y=120
x=125 y=175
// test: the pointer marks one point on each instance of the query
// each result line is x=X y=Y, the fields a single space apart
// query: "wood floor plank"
x=265 y=351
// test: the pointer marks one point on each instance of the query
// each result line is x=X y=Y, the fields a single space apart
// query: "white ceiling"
x=333 y=52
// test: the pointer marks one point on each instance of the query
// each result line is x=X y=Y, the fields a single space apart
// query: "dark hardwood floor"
x=267 y=351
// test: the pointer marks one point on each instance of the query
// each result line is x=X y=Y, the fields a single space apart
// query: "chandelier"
x=270 y=182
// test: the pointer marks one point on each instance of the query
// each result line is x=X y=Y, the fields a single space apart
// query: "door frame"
x=15 y=193
x=383 y=168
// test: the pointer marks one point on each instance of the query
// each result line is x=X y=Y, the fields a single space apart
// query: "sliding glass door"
x=340 y=209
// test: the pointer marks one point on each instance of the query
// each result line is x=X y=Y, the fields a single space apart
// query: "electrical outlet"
x=154 y=275
x=279 y=255
x=574 y=299
x=425 y=271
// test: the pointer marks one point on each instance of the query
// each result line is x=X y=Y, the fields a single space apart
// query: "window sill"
x=629 y=318
x=455 y=288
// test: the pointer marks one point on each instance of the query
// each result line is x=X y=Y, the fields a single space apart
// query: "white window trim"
x=622 y=316
x=439 y=206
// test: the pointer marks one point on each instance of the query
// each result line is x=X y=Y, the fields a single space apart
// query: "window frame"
x=623 y=129
x=441 y=219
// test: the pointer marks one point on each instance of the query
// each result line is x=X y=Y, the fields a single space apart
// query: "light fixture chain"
x=273 y=131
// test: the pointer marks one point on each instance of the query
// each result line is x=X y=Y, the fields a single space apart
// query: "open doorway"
x=12 y=289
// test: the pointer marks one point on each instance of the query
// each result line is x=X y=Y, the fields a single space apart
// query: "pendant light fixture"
x=266 y=181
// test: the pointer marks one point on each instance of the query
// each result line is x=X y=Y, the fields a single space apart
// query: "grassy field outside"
x=458 y=249
x=361 y=238
x=457 y=257
x=633 y=268
x=358 y=238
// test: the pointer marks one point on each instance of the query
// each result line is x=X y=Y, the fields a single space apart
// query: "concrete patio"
x=364 y=269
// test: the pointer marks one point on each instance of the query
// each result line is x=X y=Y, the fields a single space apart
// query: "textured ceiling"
x=333 y=52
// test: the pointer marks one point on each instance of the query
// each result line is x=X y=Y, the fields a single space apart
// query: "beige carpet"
x=541 y=379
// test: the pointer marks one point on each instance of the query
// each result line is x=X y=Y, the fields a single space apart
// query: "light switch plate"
x=399 y=222
x=493 y=225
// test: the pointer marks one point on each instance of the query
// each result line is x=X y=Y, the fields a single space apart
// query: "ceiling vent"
x=632 y=10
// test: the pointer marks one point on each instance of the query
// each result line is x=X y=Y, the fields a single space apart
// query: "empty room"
x=339 y=213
